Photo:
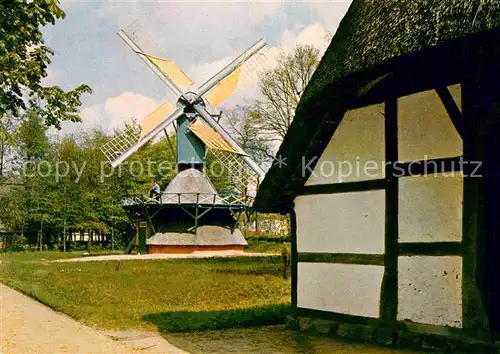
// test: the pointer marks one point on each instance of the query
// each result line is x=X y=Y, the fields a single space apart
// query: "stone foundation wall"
x=388 y=337
x=191 y=249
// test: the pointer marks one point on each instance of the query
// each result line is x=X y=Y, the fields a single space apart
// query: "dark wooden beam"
x=389 y=291
x=431 y=166
x=342 y=258
x=430 y=249
x=451 y=107
x=344 y=187
x=474 y=312
x=340 y=317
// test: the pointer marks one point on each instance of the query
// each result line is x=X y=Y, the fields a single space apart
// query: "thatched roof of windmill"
x=191 y=187
x=402 y=46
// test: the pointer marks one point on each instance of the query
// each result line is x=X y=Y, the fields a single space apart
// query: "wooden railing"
x=207 y=199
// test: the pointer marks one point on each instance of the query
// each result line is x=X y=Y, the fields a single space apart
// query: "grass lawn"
x=258 y=246
x=172 y=295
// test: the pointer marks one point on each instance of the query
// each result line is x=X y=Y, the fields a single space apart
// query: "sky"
x=201 y=37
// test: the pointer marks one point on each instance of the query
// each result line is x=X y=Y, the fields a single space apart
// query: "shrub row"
x=268 y=238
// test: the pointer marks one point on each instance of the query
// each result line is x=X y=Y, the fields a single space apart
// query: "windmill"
x=190 y=214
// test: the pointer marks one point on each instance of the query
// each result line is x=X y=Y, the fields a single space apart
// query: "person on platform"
x=154 y=192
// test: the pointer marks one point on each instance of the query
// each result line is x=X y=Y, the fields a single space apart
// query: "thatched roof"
x=185 y=187
x=382 y=48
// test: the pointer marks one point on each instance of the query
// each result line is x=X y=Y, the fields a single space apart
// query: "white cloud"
x=128 y=105
x=113 y=113
x=201 y=73
x=314 y=35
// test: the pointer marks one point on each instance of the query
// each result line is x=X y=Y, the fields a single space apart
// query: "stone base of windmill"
x=208 y=238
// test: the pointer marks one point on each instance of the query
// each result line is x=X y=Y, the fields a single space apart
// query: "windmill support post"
x=174 y=153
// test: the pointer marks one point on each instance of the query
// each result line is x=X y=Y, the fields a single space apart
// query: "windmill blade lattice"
x=239 y=174
x=114 y=148
x=136 y=32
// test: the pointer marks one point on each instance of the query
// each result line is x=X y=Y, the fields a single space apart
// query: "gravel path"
x=30 y=327
x=197 y=254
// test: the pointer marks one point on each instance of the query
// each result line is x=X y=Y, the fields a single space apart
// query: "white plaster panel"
x=425 y=130
x=344 y=288
x=430 y=208
x=430 y=290
x=341 y=223
x=356 y=151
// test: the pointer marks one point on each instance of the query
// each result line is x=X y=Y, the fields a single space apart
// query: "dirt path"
x=30 y=327
x=197 y=254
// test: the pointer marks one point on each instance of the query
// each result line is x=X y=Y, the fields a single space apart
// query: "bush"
x=95 y=248
x=16 y=243
x=268 y=238
x=55 y=247
x=118 y=243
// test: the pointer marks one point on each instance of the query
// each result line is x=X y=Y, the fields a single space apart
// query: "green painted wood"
x=143 y=248
x=389 y=290
x=190 y=149
x=430 y=249
x=342 y=258
x=344 y=187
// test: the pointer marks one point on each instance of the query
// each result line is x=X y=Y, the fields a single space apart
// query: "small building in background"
x=391 y=176
x=85 y=236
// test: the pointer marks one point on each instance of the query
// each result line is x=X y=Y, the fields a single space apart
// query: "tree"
x=7 y=127
x=243 y=124
x=23 y=64
x=34 y=147
x=32 y=138
x=282 y=88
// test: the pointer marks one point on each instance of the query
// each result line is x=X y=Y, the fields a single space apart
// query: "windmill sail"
x=166 y=70
x=170 y=70
x=211 y=138
x=243 y=74
x=224 y=88
x=153 y=119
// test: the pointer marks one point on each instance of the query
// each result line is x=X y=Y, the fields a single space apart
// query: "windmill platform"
x=189 y=216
